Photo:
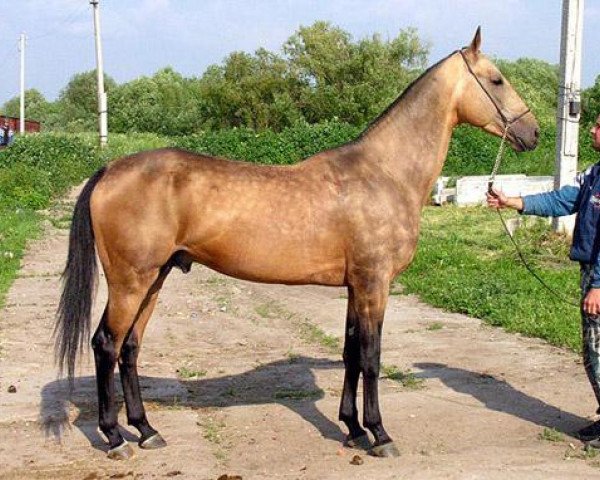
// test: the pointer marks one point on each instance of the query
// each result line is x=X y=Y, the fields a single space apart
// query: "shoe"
x=589 y=433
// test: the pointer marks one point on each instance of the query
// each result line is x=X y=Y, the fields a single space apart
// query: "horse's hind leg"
x=124 y=302
x=136 y=414
x=105 y=358
x=357 y=437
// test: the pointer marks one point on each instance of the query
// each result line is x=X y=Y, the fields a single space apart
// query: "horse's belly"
x=273 y=263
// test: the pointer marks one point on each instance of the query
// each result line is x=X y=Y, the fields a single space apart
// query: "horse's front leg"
x=357 y=437
x=371 y=297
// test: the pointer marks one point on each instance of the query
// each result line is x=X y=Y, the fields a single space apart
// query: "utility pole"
x=102 y=103
x=569 y=103
x=22 y=106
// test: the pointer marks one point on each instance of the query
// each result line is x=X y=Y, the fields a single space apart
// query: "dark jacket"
x=583 y=199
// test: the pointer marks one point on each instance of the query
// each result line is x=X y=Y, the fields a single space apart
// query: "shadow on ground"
x=499 y=395
x=289 y=382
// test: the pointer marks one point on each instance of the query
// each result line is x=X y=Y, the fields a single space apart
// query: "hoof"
x=155 y=441
x=122 y=452
x=361 y=443
x=385 y=450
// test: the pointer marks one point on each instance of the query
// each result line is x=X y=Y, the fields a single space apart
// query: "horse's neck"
x=411 y=140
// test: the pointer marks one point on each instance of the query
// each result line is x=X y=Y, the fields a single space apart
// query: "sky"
x=142 y=36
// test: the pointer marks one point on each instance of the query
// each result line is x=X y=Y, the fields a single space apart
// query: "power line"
x=68 y=21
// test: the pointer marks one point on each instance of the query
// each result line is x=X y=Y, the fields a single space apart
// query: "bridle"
x=507 y=123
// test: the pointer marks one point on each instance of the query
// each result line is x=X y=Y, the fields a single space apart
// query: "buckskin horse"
x=348 y=216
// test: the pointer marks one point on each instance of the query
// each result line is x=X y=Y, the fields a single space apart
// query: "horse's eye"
x=497 y=81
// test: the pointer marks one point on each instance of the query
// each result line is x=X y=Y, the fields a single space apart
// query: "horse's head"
x=488 y=100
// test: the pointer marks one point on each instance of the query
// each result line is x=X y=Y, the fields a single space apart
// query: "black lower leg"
x=348 y=411
x=105 y=358
x=136 y=415
x=370 y=357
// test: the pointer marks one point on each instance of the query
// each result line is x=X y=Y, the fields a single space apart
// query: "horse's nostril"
x=536 y=133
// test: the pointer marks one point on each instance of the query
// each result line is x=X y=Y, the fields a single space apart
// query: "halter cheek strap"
x=507 y=123
x=505 y=120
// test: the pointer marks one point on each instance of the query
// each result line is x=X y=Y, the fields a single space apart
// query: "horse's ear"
x=476 y=42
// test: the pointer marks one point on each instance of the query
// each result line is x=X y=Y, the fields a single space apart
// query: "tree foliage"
x=78 y=101
x=352 y=81
x=320 y=74
x=166 y=103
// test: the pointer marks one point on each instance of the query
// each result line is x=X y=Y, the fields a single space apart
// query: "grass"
x=435 y=326
x=290 y=394
x=272 y=309
x=311 y=333
x=406 y=378
x=16 y=228
x=466 y=264
x=213 y=431
x=307 y=330
x=188 y=373
x=551 y=435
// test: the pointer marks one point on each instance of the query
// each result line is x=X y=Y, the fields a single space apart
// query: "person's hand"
x=591 y=303
x=496 y=199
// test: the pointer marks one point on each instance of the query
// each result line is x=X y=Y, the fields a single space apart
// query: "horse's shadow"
x=499 y=395
x=290 y=383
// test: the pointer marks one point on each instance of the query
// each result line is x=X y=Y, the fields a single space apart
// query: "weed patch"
x=551 y=435
x=311 y=333
x=188 y=373
x=406 y=378
x=298 y=394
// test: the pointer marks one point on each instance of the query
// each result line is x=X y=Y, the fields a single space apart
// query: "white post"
x=22 y=105
x=102 y=103
x=569 y=103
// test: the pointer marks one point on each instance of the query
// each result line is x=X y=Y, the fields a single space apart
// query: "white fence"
x=471 y=190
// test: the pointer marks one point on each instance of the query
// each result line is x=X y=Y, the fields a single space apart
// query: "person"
x=583 y=198
x=5 y=133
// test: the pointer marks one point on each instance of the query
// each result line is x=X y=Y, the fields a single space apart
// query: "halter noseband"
x=505 y=120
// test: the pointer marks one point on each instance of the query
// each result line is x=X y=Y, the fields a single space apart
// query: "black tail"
x=72 y=329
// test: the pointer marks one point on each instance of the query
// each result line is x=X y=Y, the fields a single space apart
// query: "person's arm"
x=557 y=203
x=497 y=199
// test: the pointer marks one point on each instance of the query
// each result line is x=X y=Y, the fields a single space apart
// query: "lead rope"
x=491 y=180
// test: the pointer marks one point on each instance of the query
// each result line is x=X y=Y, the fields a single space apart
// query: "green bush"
x=36 y=168
x=23 y=186
x=289 y=146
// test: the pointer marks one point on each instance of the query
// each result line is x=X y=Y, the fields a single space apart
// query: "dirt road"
x=245 y=379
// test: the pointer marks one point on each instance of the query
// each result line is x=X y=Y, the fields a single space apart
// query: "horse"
x=347 y=216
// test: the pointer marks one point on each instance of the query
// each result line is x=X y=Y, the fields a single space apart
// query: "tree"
x=166 y=103
x=591 y=103
x=36 y=108
x=256 y=91
x=78 y=101
x=348 y=80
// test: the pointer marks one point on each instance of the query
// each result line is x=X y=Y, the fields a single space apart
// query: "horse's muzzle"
x=524 y=134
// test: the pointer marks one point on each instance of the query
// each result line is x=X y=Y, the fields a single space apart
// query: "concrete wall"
x=471 y=190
